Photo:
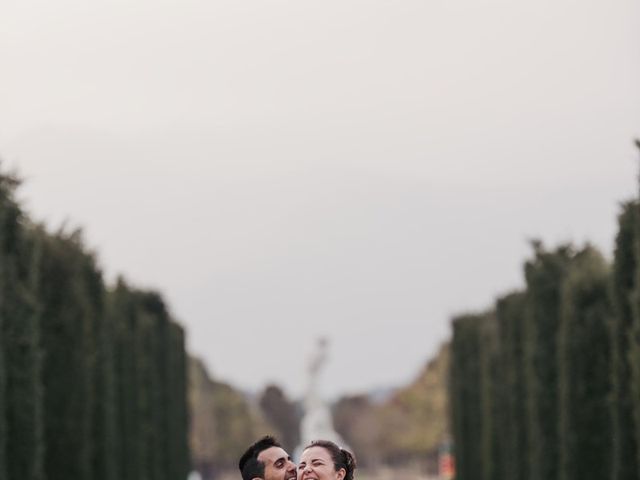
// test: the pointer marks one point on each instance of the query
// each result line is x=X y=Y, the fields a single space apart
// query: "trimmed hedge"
x=92 y=379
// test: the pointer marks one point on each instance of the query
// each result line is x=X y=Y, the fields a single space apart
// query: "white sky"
x=356 y=169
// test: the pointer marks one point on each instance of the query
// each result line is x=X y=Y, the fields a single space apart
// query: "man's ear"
x=257 y=478
x=341 y=474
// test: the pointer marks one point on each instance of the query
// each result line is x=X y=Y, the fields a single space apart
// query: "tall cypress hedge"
x=634 y=348
x=105 y=433
x=3 y=425
x=634 y=339
x=19 y=310
x=24 y=417
x=6 y=205
x=150 y=386
x=499 y=375
x=70 y=303
x=92 y=381
x=585 y=370
x=564 y=389
x=544 y=275
x=179 y=411
x=625 y=264
x=123 y=314
x=153 y=361
x=466 y=394
x=493 y=399
x=510 y=315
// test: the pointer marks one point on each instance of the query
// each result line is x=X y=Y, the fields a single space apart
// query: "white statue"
x=316 y=423
x=317 y=359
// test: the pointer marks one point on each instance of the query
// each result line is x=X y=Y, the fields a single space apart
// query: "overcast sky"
x=356 y=169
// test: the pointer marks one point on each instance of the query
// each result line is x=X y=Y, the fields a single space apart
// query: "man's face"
x=277 y=464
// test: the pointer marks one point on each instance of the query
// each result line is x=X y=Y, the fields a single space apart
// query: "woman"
x=324 y=460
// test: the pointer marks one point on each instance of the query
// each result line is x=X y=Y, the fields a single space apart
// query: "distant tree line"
x=545 y=385
x=92 y=379
x=225 y=420
x=401 y=427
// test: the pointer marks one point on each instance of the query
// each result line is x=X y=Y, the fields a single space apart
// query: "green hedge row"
x=92 y=379
x=545 y=385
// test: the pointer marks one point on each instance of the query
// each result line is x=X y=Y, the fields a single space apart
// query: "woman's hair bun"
x=350 y=462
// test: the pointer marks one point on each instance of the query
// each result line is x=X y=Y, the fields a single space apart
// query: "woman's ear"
x=341 y=474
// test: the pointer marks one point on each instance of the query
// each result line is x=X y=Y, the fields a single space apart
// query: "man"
x=267 y=460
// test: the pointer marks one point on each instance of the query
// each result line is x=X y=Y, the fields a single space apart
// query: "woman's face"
x=316 y=464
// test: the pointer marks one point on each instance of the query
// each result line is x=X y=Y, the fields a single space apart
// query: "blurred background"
x=192 y=194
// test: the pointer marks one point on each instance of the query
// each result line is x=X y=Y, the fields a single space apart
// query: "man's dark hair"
x=249 y=465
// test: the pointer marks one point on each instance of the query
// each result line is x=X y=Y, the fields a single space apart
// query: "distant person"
x=324 y=460
x=267 y=460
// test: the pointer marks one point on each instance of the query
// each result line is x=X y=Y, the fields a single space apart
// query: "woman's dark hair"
x=341 y=458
